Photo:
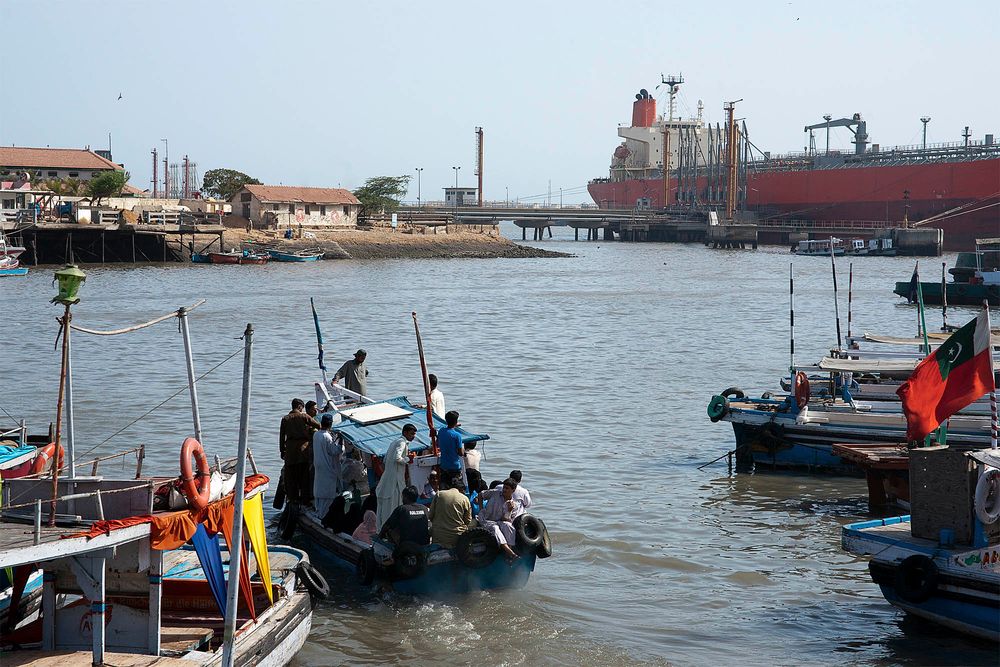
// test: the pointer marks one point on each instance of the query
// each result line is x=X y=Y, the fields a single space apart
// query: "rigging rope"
x=150 y=323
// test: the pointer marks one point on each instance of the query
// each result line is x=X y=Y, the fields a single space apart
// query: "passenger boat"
x=820 y=247
x=941 y=562
x=474 y=564
x=877 y=247
x=298 y=256
x=971 y=285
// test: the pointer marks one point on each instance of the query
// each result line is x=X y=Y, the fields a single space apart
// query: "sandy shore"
x=388 y=244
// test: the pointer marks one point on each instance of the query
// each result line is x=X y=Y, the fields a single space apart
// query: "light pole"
x=506 y=198
x=925 y=120
x=456 y=175
x=166 y=168
x=560 y=198
x=419 y=169
x=827 y=118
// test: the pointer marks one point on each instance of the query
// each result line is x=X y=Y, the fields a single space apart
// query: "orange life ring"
x=43 y=456
x=197 y=494
x=801 y=389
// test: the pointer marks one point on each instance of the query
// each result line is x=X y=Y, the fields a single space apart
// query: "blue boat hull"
x=774 y=449
x=288 y=257
x=20 y=271
x=200 y=259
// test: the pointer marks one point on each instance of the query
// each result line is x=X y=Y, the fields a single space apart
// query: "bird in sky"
x=119 y=95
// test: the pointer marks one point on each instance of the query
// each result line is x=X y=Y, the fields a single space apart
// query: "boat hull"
x=292 y=257
x=959 y=294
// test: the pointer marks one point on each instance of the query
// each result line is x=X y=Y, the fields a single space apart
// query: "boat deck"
x=17 y=541
x=875 y=456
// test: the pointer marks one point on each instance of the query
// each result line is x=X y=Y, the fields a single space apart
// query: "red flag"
x=955 y=375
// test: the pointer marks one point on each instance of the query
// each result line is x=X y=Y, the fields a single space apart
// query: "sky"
x=331 y=93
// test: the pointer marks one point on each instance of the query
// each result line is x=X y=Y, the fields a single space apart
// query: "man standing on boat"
x=437 y=398
x=390 y=487
x=449 y=441
x=354 y=373
x=327 y=455
x=295 y=446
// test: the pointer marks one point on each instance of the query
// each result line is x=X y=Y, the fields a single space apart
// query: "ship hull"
x=874 y=193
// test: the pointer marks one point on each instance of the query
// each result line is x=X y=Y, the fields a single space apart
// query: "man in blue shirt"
x=449 y=441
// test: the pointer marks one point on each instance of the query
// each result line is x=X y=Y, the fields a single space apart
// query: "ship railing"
x=830 y=225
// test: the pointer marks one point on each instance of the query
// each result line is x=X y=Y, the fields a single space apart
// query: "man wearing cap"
x=354 y=373
x=295 y=447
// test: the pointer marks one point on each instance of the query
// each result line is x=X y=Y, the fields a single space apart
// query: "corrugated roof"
x=55 y=158
x=294 y=193
x=377 y=438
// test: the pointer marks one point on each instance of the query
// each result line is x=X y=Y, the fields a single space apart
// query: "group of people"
x=319 y=468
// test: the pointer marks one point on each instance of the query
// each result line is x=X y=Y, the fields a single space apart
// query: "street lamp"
x=419 y=169
x=456 y=175
x=827 y=118
x=455 y=194
x=925 y=120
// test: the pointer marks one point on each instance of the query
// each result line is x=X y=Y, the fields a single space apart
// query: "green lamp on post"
x=70 y=279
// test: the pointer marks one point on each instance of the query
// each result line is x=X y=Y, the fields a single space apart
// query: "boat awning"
x=376 y=438
x=935 y=339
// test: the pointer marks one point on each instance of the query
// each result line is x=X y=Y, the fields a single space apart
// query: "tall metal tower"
x=479 y=162
x=673 y=83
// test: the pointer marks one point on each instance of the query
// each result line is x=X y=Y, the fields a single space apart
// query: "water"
x=592 y=374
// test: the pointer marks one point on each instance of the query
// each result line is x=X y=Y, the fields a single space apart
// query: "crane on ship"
x=860 y=134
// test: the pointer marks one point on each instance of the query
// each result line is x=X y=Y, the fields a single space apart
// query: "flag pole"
x=993 y=388
x=944 y=299
x=319 y=340
x=836 y=304
x=850 y=294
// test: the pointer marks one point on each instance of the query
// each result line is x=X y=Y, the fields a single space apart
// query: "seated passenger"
x=365 y=532
x=353 y=474
x=409 y=522
x=432 y=487
x=499 y=513
x=520 y=493
x=451 y=514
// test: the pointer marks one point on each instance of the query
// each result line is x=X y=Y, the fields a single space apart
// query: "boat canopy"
x=375 y=437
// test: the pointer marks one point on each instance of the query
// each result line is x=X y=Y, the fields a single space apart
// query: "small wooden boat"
x=298 y=256
x=201 y=258
x=10 y=266
x=941 y=562
x=254 y=258
x=237 y=257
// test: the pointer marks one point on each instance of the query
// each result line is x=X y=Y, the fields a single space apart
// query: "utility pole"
x=187 y=178
x=419 y=169
x=560 y=198
x=479 y=162
x=156 y=175
x=925 y=120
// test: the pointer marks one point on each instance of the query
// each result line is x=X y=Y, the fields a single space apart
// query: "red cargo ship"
x=954 y=187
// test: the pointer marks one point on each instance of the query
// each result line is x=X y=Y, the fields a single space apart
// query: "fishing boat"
x=970 y=286
x=201 y=258
x=821 y=247
x=238 y=257
x=297 y=256
x=10 y=266
x=942 y=561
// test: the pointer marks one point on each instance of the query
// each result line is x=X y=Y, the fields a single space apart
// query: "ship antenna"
x=673 y=82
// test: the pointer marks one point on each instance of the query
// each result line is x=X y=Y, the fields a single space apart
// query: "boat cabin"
x=820 y=247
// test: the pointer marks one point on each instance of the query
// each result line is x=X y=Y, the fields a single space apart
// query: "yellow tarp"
x=253 y=519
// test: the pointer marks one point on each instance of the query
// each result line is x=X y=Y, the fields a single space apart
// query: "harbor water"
x=592 y=374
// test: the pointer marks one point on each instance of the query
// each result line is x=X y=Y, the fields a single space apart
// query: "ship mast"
x=673 y=83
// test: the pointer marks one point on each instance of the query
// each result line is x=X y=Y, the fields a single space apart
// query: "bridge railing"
x=826 y=224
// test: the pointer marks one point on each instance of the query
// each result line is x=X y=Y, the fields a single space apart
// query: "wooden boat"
x=201 y=258
x=225 y=257
x=887 y=471
x=10 y=266
x=298 y=256
x=372 y=428
x=941 y=562
x=254 y=258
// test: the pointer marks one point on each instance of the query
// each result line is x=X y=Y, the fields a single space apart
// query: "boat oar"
x=427 y=386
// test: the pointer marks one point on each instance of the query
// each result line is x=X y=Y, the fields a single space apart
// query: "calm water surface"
x=592 y=374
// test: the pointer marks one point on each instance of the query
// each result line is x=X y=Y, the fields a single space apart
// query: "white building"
x=292 y=206
x=461 y=197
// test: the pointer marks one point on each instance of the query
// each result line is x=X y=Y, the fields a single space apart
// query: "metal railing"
x=826 y=224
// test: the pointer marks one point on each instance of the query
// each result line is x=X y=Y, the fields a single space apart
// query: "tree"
x=224 y=183
x=382 y=194
x=107 y=184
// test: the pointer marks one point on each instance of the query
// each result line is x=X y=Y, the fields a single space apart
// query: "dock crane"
x=860 y=135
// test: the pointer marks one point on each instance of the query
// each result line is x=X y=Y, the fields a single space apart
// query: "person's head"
x=326 y=422
x=509 y=486
x=297 y=405
x=470 y=445
x=410 y=495
x=434 y=479
x=311 y=408
x=433 y=380
x=409 y=432
x=457 y=482
x=515 y=475
x=451 y=418
x=371 y=520
x=360 y=356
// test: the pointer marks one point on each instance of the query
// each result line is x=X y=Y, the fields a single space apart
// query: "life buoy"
x=197 y=494
x=314 y=582
x=408 y=560
x=528 y=532
x=718 y=408
x=477 y=548
x=988 y=497
x=916 y=578
x=801 y=387
x=43 y=458
x=734 y=392
x=544 y=549
x=288 y=521
x=366 y=567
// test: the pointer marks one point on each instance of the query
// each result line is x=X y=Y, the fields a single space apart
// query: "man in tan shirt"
x=451 y=515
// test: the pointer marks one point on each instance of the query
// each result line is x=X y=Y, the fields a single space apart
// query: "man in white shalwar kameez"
x=327 y=456
x=499 y=513
x=390 y=487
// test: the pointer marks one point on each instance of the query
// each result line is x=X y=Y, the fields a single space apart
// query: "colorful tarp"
x=210 y=558
x=253 y=519
x=245 y=586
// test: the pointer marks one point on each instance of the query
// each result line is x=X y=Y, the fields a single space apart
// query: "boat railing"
x=20 y=433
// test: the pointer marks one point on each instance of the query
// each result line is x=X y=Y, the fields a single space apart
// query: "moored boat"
x=297 y=256
x=10 y=266
x=238 y=257
x=971 y=285
x=821 y=247
x=201 y=258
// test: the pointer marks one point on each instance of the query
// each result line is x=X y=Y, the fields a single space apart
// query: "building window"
x=74 y=174
x=347 y=210
x=308 y=209
x=322 y=210
x=53 y=173
x=245 y=196
x=291 y=208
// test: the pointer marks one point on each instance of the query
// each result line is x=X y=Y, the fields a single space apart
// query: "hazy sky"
x=327 y=94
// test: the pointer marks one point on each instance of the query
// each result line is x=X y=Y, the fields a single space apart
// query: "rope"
x=10 y=415
x=46 y=501
x=161 y=403
x=150 y=323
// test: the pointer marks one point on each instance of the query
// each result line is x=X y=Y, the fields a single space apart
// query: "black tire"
x=409 y=560
x=718 y=408
x=314 y=582
x=734 y=392
x=916 y=579
x=528 y=531
x=544 y=549
x=289 y=521
x=366 y=567
x=477 y=548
